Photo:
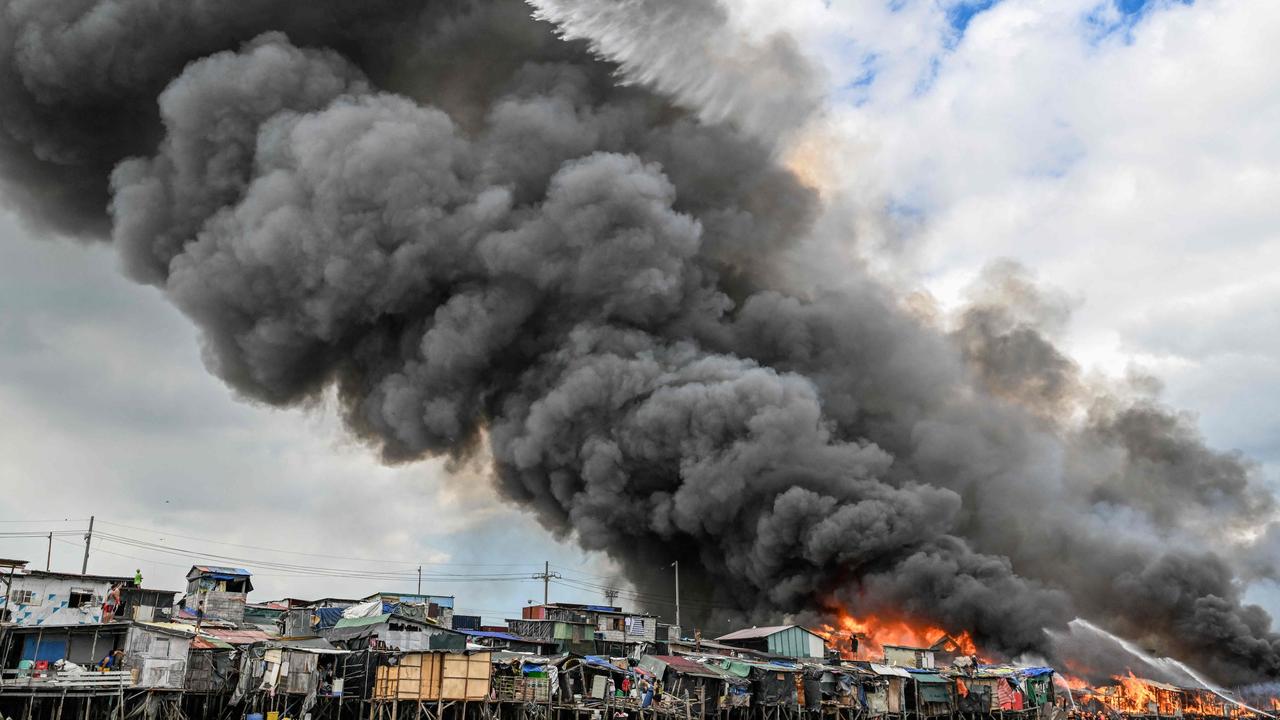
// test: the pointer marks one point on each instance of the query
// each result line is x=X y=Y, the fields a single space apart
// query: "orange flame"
x=1074 y=683
x=1136 y=696
x=872 y=633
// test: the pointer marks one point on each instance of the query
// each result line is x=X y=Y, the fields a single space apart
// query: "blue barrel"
x=253 y=716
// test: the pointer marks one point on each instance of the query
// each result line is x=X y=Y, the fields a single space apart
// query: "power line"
x=275 y=568
x=308 y=554
x=309 y=570
x=646 y=597
x=42 y=522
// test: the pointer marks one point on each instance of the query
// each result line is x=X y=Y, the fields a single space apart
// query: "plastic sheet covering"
x=367 y=609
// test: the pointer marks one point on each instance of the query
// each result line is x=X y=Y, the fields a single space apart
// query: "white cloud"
x=1130 y=160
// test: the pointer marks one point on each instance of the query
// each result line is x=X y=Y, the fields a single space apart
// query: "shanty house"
x=1003 y=687
x=217 y=593
x=301 y=668
x=704 y=685
x=392 y=630
x=589 y=676
x=779 y=640
x=37 y=597
x=416 y=605
x=435 y=676
x=211 y=665
x=567 y=636
x=839 y=685
x=617 y=631
x=889 y=694
x=81 y=644
x=157 y=654
x=909 y=657
x=611 y=628
x=266 y=614
x=500 y=640
x=772 y=684
x=930 y=695
x=145 y=604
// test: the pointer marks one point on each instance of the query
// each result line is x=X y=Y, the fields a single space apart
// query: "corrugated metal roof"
x=311 y=644
x=75 y=576
x=756 y=632
x=182 y=628
x=220 y=570
x=889 y=670
x=210 y=643
x=498 y=635
x=686 y=666
x=236 y=636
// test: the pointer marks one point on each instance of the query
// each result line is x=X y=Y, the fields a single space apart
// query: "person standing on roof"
x=137 y=577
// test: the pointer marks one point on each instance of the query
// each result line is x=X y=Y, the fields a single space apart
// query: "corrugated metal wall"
x=795 y=642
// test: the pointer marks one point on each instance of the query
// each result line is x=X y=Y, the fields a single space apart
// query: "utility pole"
x=48 y=559
x=676 y=565
x=84 y=567
x=611 y=596
x=419 y=579
x=546 y=577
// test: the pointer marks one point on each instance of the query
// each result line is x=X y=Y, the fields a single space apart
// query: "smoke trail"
x=464 y=225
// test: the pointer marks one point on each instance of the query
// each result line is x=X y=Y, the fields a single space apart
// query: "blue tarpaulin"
x=328 y=617
x=599 y=661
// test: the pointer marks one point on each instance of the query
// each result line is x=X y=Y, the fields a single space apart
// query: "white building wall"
x=37 y=600
x=639 y=628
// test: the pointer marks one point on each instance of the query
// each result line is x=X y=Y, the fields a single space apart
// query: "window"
x=24 y=597
x=80 y=597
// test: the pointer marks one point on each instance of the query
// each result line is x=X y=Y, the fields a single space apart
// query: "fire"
x=1136 y=695
x=873 y=633
x=1074 y=683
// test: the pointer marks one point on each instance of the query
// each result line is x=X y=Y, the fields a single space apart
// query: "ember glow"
x=1132 y=695
x=873 y=632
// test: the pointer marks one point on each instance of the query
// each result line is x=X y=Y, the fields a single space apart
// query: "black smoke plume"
x=474 y=231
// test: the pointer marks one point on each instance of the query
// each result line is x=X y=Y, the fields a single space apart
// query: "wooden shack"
x=157 y=654
x=434 y=676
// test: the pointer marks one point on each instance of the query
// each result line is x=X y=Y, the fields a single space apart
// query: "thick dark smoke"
x=470 y=229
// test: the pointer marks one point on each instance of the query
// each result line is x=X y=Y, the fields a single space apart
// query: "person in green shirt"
x=137 y=577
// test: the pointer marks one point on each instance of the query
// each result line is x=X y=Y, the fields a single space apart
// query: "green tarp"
x=932 y=688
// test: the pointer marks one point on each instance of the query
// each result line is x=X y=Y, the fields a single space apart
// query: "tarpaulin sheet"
x=598 y=661
x=372 y=608
x=933 y=688
x=328 y=617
